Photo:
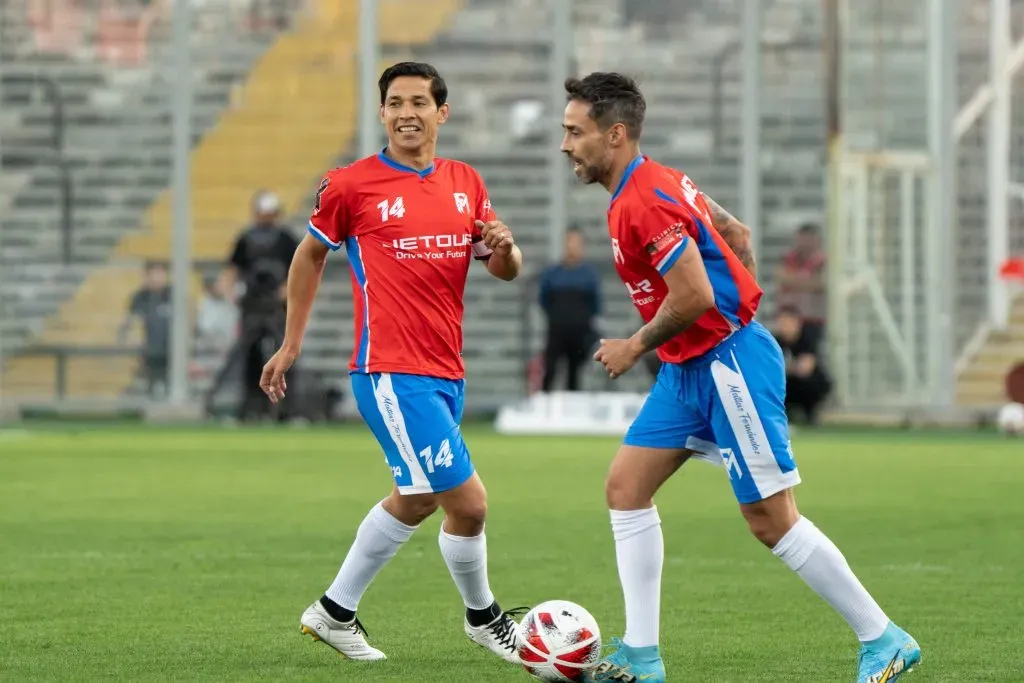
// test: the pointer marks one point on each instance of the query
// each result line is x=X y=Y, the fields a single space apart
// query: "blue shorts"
x=729 y=406
x=416 y=422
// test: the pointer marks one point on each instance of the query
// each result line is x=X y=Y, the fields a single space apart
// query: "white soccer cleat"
x=501 y=637
x=348 y=639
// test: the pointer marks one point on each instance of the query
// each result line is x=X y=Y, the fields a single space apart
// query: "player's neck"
x=420 y=160
x=619 y=168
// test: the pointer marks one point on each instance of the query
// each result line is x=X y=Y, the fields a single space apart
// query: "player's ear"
x=617 y=134
x=442 y=113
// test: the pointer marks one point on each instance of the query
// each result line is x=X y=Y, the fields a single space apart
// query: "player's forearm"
x=303 y=282
x=675 y=315
x=505 y=266
x=735 y=234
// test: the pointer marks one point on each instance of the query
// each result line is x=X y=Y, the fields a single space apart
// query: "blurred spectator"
x=259 y=262
x=58 y=26
x=807 y=381
x=570 y=295
x=124 y=28
x=217 y=319
x=801 y=277
x=151 y=306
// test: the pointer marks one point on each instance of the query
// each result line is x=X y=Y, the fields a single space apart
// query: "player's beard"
x=596 y=169
x=588 y=174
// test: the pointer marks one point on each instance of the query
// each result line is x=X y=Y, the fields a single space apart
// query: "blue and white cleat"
x=628 y=665
x=889 y=657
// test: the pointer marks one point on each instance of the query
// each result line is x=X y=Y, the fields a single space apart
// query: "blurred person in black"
x=151 y=306
x=570 y=295
x=259 y=261
x=807 y=381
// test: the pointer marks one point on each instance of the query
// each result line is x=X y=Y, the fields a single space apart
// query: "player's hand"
x=618 y=355
x=496 y=236
x=273 y=382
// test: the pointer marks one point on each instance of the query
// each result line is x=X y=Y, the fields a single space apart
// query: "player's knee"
x=410 y=510
x=765 y=529
x=465 y=508
x=770 y=519
x=623 y=492
x=466 y=518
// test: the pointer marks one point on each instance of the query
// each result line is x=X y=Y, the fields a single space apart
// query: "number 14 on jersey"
x=391 y=207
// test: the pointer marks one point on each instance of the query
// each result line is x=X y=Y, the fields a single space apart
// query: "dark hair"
x=154 y=264
x=438 y=88
x=613 y=98
x=808 y=229
x=789 y=309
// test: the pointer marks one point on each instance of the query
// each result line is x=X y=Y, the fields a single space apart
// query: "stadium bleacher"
x=292 y=117
x=684 y=128
x=116 y=143
x=249 y=85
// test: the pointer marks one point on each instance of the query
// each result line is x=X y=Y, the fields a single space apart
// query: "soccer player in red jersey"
x=411 y=224
x=719 y=395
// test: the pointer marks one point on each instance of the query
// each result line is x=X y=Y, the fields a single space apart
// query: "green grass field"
x=137 y=555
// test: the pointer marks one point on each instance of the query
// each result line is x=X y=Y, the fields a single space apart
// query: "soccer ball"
x=559 y=641
x=1010 y=419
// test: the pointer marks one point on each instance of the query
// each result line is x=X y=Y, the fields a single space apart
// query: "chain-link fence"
x=275 y=94
x=91 y=96
x=990 y=220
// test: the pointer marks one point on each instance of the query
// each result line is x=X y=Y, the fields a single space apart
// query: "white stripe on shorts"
x=704 y=450
x=391 y=411
x=748 y=429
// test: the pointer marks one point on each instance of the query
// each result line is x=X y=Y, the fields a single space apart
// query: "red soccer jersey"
x=654 y=212
x=409 y=236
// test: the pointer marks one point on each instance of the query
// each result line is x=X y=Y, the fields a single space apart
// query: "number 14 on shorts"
x=442 y=458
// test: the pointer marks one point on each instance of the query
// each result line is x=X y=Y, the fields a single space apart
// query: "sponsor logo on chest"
x=441 y=245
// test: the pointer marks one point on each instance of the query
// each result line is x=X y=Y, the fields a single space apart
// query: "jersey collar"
x=388 y=161
x=625 y=177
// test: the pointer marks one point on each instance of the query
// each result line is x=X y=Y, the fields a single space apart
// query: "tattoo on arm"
x=719 y=216
x=735 y=233
x=665 y=325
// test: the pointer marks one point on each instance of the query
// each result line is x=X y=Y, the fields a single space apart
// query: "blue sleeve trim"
x=673 y=256
x=312 y=230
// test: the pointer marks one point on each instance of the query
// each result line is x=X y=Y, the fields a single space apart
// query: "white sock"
x=640 y=552
x=822 y=566
x=378 y=539
x=466 y=557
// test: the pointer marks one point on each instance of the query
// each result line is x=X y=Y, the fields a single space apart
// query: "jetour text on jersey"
x=431 y=246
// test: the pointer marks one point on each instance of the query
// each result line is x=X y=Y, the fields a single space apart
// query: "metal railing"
x=62 y=355
x=54 y=154
x=66 y=201
x=54 y=97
